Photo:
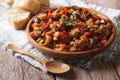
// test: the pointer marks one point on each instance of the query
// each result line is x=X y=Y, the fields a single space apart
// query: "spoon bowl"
x=51 y=66
x=59 y=67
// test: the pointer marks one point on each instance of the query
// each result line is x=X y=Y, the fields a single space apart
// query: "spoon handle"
x=15 y=48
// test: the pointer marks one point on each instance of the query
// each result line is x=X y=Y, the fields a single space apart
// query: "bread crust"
x=31 y=5
x=9 y=2
x=18 y=18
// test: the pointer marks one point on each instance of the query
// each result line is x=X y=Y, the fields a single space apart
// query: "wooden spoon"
x=52 y=66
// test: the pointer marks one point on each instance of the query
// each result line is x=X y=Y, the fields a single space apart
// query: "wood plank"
x=12 y=68
x=31 y=73
x=100 y=70
x=105 y=3
x=76 y=73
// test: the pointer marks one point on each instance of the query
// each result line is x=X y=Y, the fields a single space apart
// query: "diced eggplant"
x=78 y=16
x=56 y=28
x=68 y=14
x=68 y=27
x=80 y=9
x=94 y=41
x=89 y=15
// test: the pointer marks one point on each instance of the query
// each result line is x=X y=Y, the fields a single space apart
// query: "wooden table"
x=12 y=68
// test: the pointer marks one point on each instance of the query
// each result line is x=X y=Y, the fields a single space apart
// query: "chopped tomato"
x=95 y=18
x=64 y=33
x=60 y=24
x=84 y=10
x=61 y=36
x=107 y=20
x=88 y=34
x=64 y=11
x=45 y=25
x=32 y=26
x=50 y=13
x=81 y=23
x=55 y=16
x=32 y=35
x=64 y=37
x=56 y=35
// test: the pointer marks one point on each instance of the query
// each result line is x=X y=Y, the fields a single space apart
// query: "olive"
x=80 y=9
x=78 y=16
x=89 y=15
x=94 y=41
x=68 y=27
x=68 y=14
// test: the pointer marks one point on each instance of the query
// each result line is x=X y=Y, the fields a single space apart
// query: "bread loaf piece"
x=45 y=4
x=43 y=8
x=9 y=2
x=18 y=18
x=32 y=5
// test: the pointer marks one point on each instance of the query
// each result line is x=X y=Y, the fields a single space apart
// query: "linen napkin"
x=18 y=37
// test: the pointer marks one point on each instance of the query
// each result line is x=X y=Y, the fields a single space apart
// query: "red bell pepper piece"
x=64 y=37
x=31 y=34
x=60 y=24
x=95 y=18
x=107 y=20
x=45 y=25
x=50 y=13
x=64 y=11
x=32 y=26
x=84 y=10
x=81 y=23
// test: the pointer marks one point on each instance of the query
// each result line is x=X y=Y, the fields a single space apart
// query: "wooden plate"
x=72 y=55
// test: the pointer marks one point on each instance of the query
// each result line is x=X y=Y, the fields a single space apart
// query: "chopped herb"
x=68 y=22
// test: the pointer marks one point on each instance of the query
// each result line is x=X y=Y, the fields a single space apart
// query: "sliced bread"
x=18 y=18
x=31 y=5
x=44 y=2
